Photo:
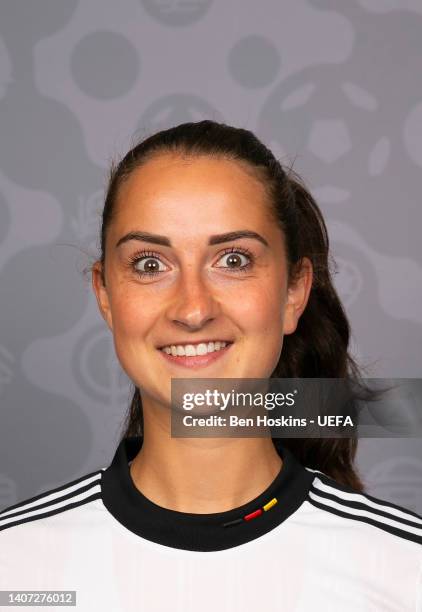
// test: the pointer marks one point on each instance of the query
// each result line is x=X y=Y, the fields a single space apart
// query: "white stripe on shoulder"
x=57 y=506
x=381 y=520
x=345 y=496
x=49 y=497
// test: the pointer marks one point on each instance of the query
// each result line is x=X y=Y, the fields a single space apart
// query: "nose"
x=194 y=304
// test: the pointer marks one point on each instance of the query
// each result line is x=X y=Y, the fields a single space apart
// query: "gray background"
x=333 y=85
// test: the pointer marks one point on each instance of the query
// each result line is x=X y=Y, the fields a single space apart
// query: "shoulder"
x=73 y=494
x=333 y=498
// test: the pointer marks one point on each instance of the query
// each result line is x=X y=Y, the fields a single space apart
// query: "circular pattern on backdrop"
x=28 y=22
x=254 y=61
x=44 y=295
x=176 y=12
x=96 y=367
x=105 y=65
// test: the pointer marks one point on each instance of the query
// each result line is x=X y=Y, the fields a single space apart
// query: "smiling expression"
x=193 y=256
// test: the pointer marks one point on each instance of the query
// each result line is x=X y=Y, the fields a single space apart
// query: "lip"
x=196 y=361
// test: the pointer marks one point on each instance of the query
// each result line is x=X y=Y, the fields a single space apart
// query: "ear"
x=297 y=297
x=101 y=294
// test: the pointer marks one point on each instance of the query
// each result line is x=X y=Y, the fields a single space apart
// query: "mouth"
x=195 y=360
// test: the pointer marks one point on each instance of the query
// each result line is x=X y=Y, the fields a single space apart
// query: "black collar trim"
x=201 y=532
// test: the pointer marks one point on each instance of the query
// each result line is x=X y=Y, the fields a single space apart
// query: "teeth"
x=190 y=350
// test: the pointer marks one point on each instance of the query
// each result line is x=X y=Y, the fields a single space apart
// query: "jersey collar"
x=201 y=532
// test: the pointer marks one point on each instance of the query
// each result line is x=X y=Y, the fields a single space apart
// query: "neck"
x=202 y=475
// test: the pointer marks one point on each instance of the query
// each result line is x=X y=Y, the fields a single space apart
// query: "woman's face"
x=202 y=285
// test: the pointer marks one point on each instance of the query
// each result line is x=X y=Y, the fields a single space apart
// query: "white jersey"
x=306 y=543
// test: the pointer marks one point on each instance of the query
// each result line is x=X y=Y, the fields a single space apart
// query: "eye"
x=146 y=263
x=233 y=257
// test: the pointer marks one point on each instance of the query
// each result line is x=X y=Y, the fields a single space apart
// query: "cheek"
x=132 y=318
x=260 y=317
x=261 y=309
x=131 y=324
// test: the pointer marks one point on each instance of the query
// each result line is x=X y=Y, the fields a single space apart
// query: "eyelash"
x=136 y=257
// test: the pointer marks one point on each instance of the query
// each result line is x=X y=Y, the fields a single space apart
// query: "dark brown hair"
x=319 y=346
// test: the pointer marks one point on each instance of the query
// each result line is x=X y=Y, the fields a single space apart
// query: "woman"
x=214 y=264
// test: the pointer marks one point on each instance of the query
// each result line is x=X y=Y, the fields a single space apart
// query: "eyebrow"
x=215 y=239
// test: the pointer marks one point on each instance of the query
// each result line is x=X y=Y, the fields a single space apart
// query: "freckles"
x=130 y=313
x=255 y=311
x=269 y=312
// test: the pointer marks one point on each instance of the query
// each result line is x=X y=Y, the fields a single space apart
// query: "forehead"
x=200 y=190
